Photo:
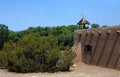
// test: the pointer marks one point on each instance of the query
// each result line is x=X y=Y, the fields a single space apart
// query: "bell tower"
x=83 y=22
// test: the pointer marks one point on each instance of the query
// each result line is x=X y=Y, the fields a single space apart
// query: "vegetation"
x=95 y=25
x=36 y=53
x=38 y=49
x=4 y=34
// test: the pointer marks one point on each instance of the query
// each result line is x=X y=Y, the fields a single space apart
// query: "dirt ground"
x=81 y=70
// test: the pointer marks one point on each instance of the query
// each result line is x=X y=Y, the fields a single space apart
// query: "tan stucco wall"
x=105 y=44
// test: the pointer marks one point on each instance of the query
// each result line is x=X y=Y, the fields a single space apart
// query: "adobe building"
x=98 y=46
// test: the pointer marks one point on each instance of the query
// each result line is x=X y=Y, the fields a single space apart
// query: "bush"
x=3 y=61
x=34 y=53
x=65 y=60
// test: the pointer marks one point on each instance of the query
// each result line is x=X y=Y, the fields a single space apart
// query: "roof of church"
x=83 y=21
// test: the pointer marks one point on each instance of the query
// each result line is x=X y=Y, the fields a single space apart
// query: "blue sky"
x=21 y=14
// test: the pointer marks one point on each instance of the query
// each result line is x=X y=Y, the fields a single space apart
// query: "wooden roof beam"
x=118 y=31
x=109 y=31
x=99 y=32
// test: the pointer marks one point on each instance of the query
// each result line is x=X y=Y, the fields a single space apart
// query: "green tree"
x=95 y=25
x=4 y=34
x=63 y=33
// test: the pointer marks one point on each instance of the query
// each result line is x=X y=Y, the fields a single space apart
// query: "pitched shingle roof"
x=83 y=21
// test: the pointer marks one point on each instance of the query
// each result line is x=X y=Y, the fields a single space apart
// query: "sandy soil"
x=81 y=70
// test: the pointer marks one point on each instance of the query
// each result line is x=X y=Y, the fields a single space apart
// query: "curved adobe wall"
x=104 y=44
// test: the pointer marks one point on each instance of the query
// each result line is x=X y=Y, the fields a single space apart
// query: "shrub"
x=3 y=61
x=65 y=60
x=34 y=53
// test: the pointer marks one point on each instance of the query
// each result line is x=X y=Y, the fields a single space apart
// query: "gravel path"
x=82 y=70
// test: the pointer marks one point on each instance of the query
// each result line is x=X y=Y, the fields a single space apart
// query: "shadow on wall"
x=99 y=46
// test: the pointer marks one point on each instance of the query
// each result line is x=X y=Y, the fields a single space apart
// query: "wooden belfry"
x=83 y=22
